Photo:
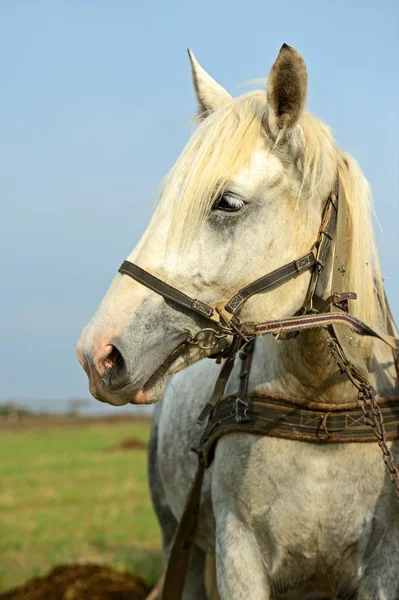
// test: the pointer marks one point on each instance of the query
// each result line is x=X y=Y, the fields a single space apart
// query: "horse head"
x=244 y=198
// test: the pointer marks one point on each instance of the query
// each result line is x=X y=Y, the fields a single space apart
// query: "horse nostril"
x=114 y=366
x=113 y=359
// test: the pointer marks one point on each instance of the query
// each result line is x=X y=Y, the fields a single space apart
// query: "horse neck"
x=304 y=367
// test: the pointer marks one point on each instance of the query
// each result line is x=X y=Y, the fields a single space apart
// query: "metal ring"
x=217 y=336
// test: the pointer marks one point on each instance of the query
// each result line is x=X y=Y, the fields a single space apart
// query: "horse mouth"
x=181 y=357
x=168 y=367
x=118 y=388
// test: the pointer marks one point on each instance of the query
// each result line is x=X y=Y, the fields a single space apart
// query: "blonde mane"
x=224 y=143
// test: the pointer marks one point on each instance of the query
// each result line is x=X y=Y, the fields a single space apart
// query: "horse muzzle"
x=107 y=371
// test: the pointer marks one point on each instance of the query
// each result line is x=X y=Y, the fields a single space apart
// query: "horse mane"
x=224 y=142
x=363 y=273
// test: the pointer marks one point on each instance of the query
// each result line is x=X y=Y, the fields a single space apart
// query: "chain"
x=367 y=402
x=372 y=416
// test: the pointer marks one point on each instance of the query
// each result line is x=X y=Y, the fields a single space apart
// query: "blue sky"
x=95 y=103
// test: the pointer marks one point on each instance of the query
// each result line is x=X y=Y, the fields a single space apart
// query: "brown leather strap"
x=271 y=279
x=176 y=569
x=340 y=299
x=164 y=289
x=218 y=388
x=312 y=321
x=322 y=246
x=276 y=415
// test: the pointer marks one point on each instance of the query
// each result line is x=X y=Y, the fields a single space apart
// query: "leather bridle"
x=226 y=319
x=312 y=314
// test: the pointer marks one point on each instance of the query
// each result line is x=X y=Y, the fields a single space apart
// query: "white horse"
x=245 y=197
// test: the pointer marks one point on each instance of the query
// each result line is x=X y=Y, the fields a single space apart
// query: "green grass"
x=64 y=498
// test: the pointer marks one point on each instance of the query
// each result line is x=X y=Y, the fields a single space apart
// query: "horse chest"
x=305 y=507
x=301 y=503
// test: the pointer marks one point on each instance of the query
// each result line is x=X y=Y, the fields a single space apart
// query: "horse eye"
x=228 y=203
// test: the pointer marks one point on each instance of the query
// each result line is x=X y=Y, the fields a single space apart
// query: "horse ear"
x=210 y=94
x=286 y=90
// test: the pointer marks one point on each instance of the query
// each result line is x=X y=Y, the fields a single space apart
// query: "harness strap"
x=177 y=566
x=322 y=245
x=218 y=389
x=338 y=319
x=179 y=557
x=339 y=298
x=328 y=228
x=278 y=415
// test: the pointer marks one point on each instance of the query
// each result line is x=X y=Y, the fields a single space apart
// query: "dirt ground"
x=66 y=499
x=80 y=582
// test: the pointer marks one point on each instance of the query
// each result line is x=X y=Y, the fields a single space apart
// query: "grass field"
x=64 y=498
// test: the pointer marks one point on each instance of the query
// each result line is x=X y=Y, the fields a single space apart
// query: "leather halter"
x=169 y=292
x=313 y=260
x=305 y=318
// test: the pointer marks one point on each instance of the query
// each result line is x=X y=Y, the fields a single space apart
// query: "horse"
x=246 y=196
